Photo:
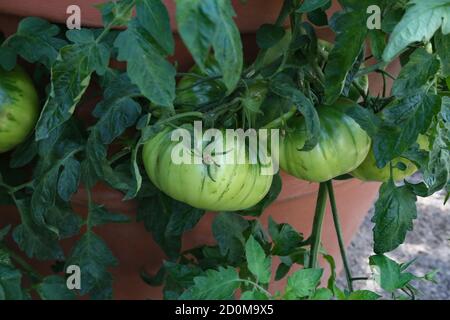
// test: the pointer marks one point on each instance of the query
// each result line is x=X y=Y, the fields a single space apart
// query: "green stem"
x=278 y=122
x=338 y=228
x=316 y=233
x=257 y=286
x=180 y=116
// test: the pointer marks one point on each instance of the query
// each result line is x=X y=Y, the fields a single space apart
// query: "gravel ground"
x=428 y=242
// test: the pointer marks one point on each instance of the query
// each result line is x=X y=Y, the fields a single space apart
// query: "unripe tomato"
x=368 y=170
x=342 y=145
x=19 y=107
x=216 y=186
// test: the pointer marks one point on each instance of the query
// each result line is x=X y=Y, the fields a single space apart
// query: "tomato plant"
x=314 y=92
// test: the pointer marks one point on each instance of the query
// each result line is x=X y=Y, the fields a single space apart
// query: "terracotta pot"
x=131 y=244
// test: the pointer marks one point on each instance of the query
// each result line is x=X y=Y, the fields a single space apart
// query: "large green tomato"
x=368 y=170
x=342 y=145
x=214 y=187
x=19 y=108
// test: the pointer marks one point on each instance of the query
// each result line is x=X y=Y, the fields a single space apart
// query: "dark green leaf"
x=69 y=179
x=153 y=17
x=415 y=74
x=54 y=288
x=350 y=38
x=363 y=295
x=442 y=44
x=209 y=23
x=284 y=87
x=258 y=263
x=8 y=58
x=24 y=153
x=388 y=273
x=4 y=231
x=285 y=238
x=10 y=283
x=214 y=285
x=228 y=229
x=99 y=215
x=395 y=211
x=116 y=13
x=36 y=41
x=94 y=258
x=311 y=5
x=377 y=43
x=269 y=35
x=167 y=220
x=146 y=65
x=318 y=17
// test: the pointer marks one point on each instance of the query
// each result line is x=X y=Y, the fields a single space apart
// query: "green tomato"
x=214 y=187
x=342 y=145
x=19 y=108
x=196 y=90
x=368 y=170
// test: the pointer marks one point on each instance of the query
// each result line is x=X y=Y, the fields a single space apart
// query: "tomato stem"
x=316 y=233
x=339 y=234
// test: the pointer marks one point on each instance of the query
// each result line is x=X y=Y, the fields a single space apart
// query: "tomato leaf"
x=363 y=295
x=36 y=40
x=228 y=229
x=153 y=17
x=269 y=35
x=395 y=211
x=36 y=241
x=302 y=283
x=421 y=20
x=311 y=5
x=285 y=238
x=415 y=74
x=167 y=220
x=209 y=23
x=284 y=87
x=100 y=215
x=377 y=43
x=404 y=119
x=146 y=64
x=116 y=13
x=258 y=263
x=388 y=273
x=350 y=38
x=94 y=258
x=442 y=44
x=437 y=171
x=54 y=288
x=218 y=284
x=10 y=283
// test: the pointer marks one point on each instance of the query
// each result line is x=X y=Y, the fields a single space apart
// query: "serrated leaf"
x=350 y=37
x=36 y=41
x=94 y=258
x=303 y=283
x=99 y=216
x=421 y=20
x=415 y=74
x=395 y=211
x=388 y=273
x=54 y=288
x=69 y=179
x=209 y=23
x=254 y=295
x=228 y=229
x=10 y=283
x=153 y=17
x=284 y=87
x=36 y=241
x=285 y=238
x=116 y=13
x=404 y=119
x=167 y=220
x=258 y=263
x=214 y=285
x=322 y=294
